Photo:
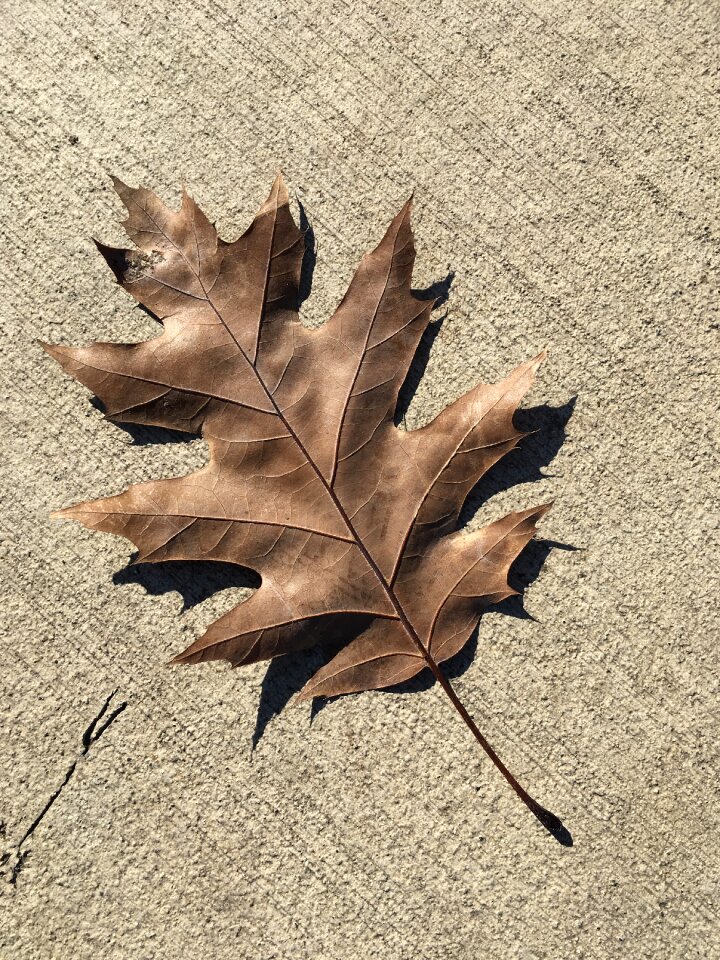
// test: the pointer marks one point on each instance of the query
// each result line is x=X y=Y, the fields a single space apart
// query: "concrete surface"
x=564 y=161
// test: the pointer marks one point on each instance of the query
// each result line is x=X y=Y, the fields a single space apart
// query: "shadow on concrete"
x=194 y=580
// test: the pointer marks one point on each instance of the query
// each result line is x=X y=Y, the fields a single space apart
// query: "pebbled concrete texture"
x=564 y=161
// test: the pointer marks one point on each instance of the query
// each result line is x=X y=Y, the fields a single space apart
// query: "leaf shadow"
x=525 y=571
x=547 y=426
x=145 y=436
x=440 y=292
x=195 y=580
x=284 y=678
x=307 y=268
x=287 y=675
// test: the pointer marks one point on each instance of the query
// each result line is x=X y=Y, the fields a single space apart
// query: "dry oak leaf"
x=310 y=483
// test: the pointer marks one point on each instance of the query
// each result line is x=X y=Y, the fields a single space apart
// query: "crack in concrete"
x=92 y=734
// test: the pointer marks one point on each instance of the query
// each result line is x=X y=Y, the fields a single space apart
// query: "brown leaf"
x=309 y=481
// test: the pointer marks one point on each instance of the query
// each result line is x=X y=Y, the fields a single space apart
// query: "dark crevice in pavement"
x=92 y=734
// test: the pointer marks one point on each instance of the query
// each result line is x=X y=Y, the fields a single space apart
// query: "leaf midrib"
x=387 y=589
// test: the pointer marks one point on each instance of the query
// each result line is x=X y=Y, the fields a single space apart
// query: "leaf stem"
x=546 y=818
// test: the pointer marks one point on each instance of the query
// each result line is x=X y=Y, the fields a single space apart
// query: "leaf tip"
x=192 y=654
x=543 y=509
x=58 y=351
x=308 y=692
x=279 y=192
x=406 y=209
x=119 y=186
x=538 y=360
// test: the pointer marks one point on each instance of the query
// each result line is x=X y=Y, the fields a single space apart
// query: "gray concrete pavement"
x=564 y=161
